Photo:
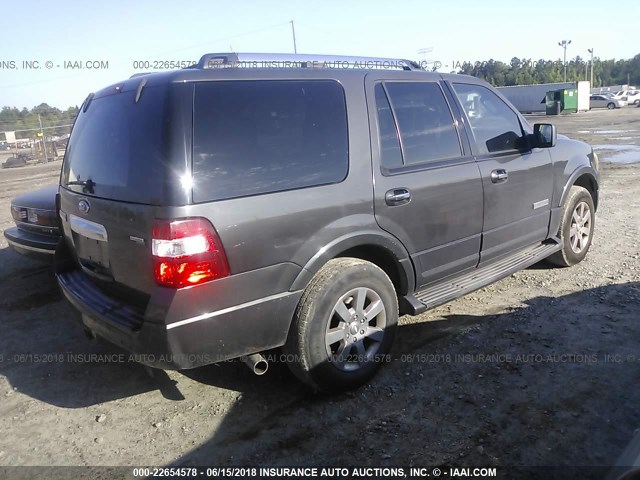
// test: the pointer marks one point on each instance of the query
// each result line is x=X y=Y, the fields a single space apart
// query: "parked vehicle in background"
x=621 y=100
x=603 y=101
x=304 y=207
x=37 y=229
x=17 y=160
x=631 y=97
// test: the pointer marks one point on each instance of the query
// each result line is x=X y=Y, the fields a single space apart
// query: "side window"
x=254 y=137
x=390 y=154
x=495 y=126
x=427 y=130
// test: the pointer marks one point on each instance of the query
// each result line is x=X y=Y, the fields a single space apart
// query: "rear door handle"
x=500 y=175
x=397 y=196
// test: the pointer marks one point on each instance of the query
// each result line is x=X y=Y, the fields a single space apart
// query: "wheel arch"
x=586 y=178
x=381 y=249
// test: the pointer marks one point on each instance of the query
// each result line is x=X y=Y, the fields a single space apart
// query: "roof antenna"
x=231 y=49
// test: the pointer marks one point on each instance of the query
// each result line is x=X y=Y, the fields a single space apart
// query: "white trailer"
x=532 y=98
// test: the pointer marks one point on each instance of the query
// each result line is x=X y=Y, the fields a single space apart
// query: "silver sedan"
x=603 y=101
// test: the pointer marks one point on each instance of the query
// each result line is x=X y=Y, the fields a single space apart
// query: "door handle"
x=500 y=175
x=397 y=196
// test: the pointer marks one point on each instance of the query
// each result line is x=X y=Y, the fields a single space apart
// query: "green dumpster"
x=563 y=100
x=570 y=100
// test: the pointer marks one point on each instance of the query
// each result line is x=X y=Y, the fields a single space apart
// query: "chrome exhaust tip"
x=256 y=363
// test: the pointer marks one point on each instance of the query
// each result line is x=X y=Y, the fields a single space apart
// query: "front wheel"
x=576 y=228
x=344 y=325
x=611 y=106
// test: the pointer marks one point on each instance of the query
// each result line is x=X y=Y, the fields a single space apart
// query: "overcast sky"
x=121 y=32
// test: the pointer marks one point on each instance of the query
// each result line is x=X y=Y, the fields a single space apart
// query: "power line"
x=220 y=39
x=62 y=119
x=30 y=120
x=38 y=129
x=43 y=128
x=242 y=34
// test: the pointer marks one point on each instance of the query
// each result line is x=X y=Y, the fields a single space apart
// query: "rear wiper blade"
x=87 y=185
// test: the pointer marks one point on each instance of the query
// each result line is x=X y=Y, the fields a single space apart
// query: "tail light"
x=187 y=252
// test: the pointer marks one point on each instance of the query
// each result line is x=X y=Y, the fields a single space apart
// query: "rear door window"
x=427 y=129
x=256 y=137
x=390 y=153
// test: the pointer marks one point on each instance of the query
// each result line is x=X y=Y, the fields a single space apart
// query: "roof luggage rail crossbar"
x=287 y=60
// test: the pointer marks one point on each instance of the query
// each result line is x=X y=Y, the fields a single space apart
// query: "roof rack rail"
x=287 y=60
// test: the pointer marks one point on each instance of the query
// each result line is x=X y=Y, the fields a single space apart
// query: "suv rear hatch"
x=120 y=166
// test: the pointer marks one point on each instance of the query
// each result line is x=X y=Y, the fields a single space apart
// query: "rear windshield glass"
x=253 y=137
x=119 y=145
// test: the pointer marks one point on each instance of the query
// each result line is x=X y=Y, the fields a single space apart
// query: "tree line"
x=527 y=71
x=25 y=123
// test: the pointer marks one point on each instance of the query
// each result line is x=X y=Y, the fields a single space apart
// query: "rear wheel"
x=576 y=228
x=344 y=325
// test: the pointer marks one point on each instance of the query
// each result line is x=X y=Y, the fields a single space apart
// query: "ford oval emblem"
x=84 y=206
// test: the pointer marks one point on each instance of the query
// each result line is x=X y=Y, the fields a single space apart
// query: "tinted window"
x=495 y=126
x=120 y=145
x=390 y=154
x=253 y=137
x=426 y=126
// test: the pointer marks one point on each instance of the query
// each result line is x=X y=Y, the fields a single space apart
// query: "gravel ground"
x=541 y=368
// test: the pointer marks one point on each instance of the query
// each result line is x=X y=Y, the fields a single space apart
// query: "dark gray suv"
x=254 y=202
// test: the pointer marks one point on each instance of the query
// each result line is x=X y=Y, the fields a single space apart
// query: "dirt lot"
x=541 y=368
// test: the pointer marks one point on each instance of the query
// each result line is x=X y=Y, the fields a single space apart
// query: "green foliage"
x=527 y=71
x=12 y=119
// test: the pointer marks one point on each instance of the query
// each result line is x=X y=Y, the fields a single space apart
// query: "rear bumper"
x=32 y=244
x=212 y=337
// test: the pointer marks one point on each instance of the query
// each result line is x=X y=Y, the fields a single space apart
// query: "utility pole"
x=590 y=50
x=293 y=32
x=564 y=44
x=44 y=143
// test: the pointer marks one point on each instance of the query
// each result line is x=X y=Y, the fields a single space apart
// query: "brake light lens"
x=187 y=252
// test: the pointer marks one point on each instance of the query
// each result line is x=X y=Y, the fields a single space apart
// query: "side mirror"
x=544 y=135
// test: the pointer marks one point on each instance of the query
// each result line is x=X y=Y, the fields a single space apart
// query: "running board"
x=434 y=295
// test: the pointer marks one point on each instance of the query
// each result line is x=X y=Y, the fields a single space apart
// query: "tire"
x=637 y=103
x=576 y=228
x=611 y=106
x=344 y=325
